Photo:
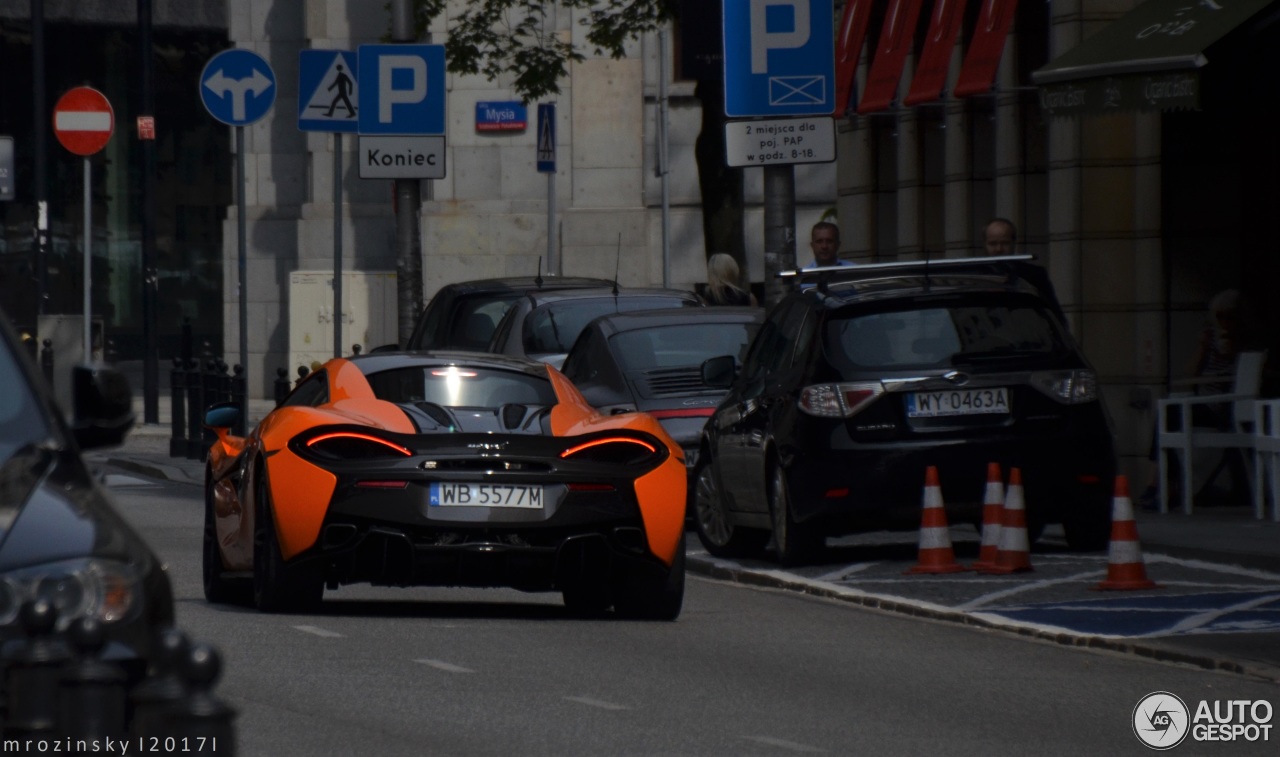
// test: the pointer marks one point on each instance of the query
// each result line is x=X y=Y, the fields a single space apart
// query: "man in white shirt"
x=824 y=240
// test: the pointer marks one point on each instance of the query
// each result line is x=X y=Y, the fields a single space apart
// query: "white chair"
x=1177 y=435
x=1266 y=457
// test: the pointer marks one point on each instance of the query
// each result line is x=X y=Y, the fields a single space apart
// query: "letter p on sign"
x=392 y=71
x=763 y=40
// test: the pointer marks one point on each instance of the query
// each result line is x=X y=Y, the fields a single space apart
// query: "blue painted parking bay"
x=1059 y=595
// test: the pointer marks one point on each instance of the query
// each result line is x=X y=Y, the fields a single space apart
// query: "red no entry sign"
x=83 y=120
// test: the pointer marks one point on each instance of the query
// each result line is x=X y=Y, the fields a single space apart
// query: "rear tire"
x=217 y=588
x=278 y=587
x=795 y=544
x=649 y=597
x=717 y=533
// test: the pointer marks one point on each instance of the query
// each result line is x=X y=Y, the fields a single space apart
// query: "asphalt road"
x=745 y=670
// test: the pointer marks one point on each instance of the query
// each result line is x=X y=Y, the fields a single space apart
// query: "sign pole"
x=243 y=288
x=88 y=274
x=337 y=244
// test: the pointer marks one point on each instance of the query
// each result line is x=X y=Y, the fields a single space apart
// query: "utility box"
x=369 y=314
x=66 y=337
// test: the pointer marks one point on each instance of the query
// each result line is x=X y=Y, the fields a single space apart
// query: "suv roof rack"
x=1008 y=265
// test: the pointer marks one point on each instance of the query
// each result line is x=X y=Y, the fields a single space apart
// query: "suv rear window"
x=931 y=337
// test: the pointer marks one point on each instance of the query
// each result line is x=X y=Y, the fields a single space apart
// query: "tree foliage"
x=516 y=40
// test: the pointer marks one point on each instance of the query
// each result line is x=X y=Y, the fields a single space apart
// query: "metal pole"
x=553 y=260
x=88 y=274
x=779 y=228
x=664 y=167
x=242 y=288
x=337 y=244
x=40 y=115
x=408 y=193
x=150 y=358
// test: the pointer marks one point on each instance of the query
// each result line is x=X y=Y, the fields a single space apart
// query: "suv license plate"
x=958 y=402
x=486 y=495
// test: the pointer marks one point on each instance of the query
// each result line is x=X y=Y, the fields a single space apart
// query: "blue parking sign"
x=237 y=87
x=779 y=58
x=402 y=89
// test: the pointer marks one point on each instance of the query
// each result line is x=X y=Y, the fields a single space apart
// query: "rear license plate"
x=486 y=495
x=958 y=402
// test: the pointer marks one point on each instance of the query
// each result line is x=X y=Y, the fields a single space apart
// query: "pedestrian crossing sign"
x=328 y=97
x=547 y=138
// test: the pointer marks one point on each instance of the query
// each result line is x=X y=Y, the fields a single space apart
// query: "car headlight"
x=1068 y=387
x=108 y=590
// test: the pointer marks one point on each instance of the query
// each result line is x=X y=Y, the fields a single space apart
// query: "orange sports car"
x=444 y=469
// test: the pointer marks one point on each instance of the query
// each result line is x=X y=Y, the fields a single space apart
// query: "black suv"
x=864 y=376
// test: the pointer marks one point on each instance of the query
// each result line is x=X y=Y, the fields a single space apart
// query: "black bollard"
x=92 y=696
x=177 y=410
x=208 y=396
x=240 y=396
x=34 y=667
x=201 y=718
x=282 y=385
x=195 y=415
x=162 y=689
x=223 y=383
x=355 y=350
x=46 y=361
x=302 y=374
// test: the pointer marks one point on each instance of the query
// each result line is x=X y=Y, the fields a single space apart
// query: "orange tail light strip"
x=366 y=437
x=607 y=440
x=382 y=484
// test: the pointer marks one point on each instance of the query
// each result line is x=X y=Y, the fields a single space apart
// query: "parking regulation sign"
x=402 y=89
x=779 y=58
x=83 y=120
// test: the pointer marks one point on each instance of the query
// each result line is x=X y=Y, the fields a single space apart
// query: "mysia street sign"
x=237 y=87
x=83 y=121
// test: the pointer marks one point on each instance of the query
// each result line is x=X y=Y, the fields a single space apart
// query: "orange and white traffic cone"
x=992 y=513
x=936 y=554
x=1125 y=568
x=1014 y=555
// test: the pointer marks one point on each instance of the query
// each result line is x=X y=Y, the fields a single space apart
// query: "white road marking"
x=445 y=666
x=316 y=630
x=784 y=744
x=120 y=480
x=986 y=599
x=598 y=703
x=846 y=571
x=1205 y=618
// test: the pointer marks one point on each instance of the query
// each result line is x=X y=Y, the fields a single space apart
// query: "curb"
x=154 y=470
x=746 y=577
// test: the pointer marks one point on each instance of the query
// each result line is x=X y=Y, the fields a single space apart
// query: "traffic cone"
x=992 y=513
x=936 y=554
x=1125 y=568
x=1014 y=555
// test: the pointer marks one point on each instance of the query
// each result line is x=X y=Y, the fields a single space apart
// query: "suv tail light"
x=838 y=400
x=1068 y=387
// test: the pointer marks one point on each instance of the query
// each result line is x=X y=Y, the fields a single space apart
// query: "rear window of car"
x=460 y=386
x=554 y=327
x=942 y=336
x=475 y=319
x=680 y=345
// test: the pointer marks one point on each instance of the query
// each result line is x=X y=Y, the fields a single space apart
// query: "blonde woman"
x=723 y=287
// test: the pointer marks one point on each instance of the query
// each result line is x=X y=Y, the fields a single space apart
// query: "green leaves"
x=526 y=45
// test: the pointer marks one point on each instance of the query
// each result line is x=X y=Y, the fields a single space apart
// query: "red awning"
x=935 y=59
x=978 y=73
x=853 y=31
x=896 y=38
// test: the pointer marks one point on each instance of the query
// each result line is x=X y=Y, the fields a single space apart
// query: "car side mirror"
x=718 y=372
x=103 y=404
x=222 y=415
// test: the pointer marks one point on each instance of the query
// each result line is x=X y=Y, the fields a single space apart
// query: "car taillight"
x=612 y=449
x=1068 y=387
x=838 y=400
x=347 y=445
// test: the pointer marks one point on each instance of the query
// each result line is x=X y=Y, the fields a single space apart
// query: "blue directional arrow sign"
x=779 y=58
x=237 y=87
x=401 y=89
x=328 y=91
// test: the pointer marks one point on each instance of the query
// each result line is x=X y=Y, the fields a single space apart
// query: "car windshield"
x=680 y=345
x=21 y=420
x=554 y=327
x=461 y=386
x=942 y=336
